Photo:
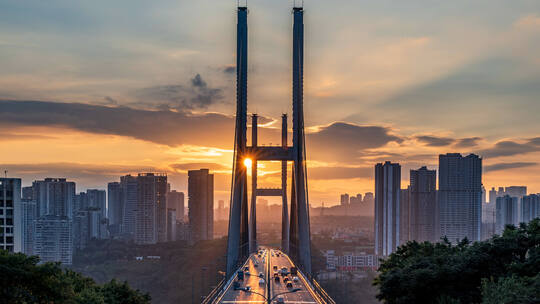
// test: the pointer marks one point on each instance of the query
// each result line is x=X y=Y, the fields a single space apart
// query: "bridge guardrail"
x=320 y=291
x=210 y=298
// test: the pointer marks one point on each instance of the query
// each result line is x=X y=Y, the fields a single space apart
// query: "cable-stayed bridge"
x=250 y=276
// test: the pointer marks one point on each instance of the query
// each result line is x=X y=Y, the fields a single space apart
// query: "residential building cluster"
x=351 y=261
x=456 y=210
x=51 y=220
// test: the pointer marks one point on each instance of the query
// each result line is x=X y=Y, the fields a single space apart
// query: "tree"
x=445 y=273
x=511 y=290
x=24 y=281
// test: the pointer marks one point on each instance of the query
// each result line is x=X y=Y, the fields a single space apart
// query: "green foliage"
x=446 y=273
x=511 y=290
x=184 y=272
x=24 y=281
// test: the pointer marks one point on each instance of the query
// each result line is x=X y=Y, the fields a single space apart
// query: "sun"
x=247 y=162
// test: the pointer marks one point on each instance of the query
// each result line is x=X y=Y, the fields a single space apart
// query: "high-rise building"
x=128 y=195
x=516 y=191
x=97 y=200
x=404 y=216
x=221 y=214
x=369 y=198
x=345 y=199
x=27 y=193
x=460 y=196
x=387 y=196
x=493 y=195
x=151 y=215
x=28 y=213
x=355 y=199
x=54 y=196
x=89 y=221
x=10 y=219
x=80 y=227
x=507 y=212
x=171 y=225
x=488 y=218
x=115 y=208
x=530 y=207
x=423 y=203
x=201 y=204
x=53 y=239
x=175 y=200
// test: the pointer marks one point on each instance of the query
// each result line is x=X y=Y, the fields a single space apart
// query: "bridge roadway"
x=302 y=292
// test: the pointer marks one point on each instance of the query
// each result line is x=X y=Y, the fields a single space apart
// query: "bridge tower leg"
x=238 y=237
x=253 y=209
x=300 y=198
x=285 y=207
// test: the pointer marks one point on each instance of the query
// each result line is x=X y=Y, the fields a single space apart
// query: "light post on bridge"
x=269 y=300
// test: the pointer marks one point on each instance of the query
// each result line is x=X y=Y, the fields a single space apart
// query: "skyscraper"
x=530 y=207
x=423 y=203
x=493 y=196
x=221 y=214
x=27 y=193
x=345 y=199
x=201 y=204
x=80 y=226
x=115 y=208
x=53 y=239
x=128 y=195
x=460 y=196
x=151 y=215
x=404 y=216
x=10 y=219
x=171 y=225
x=27 y=212
x=507 y=212
x=175 y=201
x=97 y=199
x=54 y=196
x=387 y=196
x=516 y=191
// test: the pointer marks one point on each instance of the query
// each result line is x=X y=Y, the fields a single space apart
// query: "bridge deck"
x=260 y=293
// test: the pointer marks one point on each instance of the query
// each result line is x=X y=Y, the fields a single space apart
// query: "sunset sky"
x=91 y=90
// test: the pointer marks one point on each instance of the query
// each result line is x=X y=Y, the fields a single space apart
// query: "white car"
x=261 y=282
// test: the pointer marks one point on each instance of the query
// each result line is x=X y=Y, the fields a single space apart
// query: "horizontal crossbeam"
x=269 y=192
x=270 y=153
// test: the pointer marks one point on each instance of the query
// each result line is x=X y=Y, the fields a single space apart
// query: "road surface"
x=299 y=293
x=303 y=296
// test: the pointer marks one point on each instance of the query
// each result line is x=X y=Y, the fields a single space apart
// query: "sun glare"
x=247 y=162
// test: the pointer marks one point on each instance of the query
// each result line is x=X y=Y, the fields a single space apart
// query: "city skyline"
x=157 y=108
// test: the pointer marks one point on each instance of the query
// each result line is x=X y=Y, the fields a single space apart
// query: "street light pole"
x=269 y=300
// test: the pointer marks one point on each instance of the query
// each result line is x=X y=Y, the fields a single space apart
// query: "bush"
x=24 y=281
x=445 y=273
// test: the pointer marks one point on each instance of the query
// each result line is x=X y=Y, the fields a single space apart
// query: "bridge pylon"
x=242 y=237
